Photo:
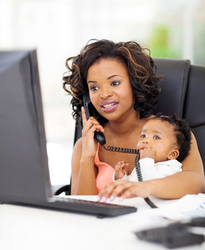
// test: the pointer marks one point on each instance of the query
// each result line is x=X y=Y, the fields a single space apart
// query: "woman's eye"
x=115 y=83
x=93 y=88
x=156 y=137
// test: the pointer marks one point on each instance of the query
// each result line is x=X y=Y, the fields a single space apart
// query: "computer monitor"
x=24 y=173
x=22 y=130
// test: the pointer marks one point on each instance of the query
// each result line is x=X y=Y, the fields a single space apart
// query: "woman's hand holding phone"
x=90 y=126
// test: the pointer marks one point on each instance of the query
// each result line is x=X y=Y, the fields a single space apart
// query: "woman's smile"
x=109 y=106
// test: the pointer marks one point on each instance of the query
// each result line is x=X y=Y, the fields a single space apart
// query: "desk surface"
x=33 y=228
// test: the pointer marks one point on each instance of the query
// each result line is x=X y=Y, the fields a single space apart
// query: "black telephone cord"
x=121 y=150
x=139 y=176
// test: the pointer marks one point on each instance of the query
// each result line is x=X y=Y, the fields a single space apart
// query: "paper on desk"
x=189 y=206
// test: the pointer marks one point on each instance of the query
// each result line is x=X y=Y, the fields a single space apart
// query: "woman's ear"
x=173 y=154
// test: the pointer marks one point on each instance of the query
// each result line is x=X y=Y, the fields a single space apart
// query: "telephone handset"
x=88 y=109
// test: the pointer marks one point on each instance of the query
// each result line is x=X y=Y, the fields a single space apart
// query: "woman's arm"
x=189 y=181
x=82 y=164
x=83 y=173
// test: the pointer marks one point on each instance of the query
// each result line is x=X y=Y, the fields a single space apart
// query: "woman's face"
x=110 y=89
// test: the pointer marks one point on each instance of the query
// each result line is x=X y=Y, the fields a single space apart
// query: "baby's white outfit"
x=151 y=170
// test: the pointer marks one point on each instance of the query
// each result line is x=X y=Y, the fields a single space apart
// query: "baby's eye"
x=114 y=83
x=93 y=88
x=156 y=137
x=142 y=136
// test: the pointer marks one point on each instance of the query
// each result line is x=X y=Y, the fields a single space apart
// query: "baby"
x=164 y=143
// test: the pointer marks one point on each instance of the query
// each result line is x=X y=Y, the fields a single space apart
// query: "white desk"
x=32 y=228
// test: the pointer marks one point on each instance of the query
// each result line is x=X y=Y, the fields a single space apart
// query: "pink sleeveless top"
x=105 y=172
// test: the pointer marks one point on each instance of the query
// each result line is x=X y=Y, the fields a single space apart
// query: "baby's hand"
x=120 y=169
x=147 y=152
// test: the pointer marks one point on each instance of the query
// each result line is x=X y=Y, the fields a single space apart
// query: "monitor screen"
x=22 y=135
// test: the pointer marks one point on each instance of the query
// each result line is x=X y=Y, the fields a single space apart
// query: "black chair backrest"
x=182 y=92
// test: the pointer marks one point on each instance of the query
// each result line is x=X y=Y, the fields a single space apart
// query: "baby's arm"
x=120 y=170
x=147 y=164
x=151 y=170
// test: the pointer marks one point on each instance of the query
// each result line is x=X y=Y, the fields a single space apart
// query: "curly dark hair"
x=182 y=133
x=140 y=65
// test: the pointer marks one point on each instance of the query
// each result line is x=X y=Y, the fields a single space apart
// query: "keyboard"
x=85 y=206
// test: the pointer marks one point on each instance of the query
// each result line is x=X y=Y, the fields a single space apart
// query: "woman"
x=123 y=88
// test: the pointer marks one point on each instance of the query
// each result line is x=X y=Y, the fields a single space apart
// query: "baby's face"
x=159 y=136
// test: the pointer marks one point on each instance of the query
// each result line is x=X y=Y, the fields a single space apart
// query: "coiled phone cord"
x=137 y=165
x=139 y=176
x=121 y=150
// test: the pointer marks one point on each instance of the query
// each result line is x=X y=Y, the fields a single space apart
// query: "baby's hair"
x=182 y=133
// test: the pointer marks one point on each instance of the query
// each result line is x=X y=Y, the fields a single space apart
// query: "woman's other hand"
x=125 y=189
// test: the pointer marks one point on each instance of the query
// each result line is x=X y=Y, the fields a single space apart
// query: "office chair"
x=182 y=92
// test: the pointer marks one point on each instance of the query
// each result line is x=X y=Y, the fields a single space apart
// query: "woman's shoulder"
x=78 y=142
x=77 y=147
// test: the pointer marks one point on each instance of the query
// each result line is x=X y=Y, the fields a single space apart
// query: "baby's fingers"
x=121 y=165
